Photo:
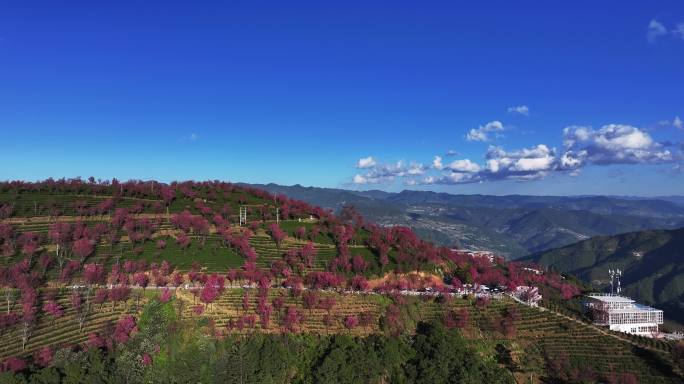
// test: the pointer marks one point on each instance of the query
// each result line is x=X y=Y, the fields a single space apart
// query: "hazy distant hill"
x=652 y=261
x=513 y=225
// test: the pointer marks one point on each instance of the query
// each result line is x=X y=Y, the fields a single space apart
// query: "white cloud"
x=520 y=109
x=617 y=137
x=476 y=135
x=481 y=133
x=582 y=146
x=370 y=178
x=464 y=165
x=386 y=173
x=458 y=178
x=676 y=123
x=613 y=144
x=437 y=163
x=451 y=152
x=447 y=179
x=366 y=162
x=572 y=160
x=524 y=164
x=415 y=169
x=655 y=30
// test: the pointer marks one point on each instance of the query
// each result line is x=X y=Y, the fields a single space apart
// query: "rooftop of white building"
x=610 y=298
x=630 y=305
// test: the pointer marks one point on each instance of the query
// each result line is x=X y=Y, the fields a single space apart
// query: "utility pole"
x=243 y=215
x=275 y=202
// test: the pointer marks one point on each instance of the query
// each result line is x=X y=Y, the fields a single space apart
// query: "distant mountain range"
x=652 y=263
x=513 y=225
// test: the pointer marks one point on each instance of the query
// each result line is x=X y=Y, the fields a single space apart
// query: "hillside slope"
x=81 y=261
x=651 y=261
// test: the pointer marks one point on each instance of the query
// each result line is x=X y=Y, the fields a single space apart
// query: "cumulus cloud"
x=366 y=162
x=613 y=144
x=476 y=135
x=583 y=146
x=520 y=110
x=463 y=165
x=482 y=133
x=525 y=164
x=437 y=163
x=415 y=169
x=386 y=173
x=449 y=178
x=655 y=30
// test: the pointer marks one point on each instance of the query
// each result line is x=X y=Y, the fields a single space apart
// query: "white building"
x=623 y=314
x=527 y=295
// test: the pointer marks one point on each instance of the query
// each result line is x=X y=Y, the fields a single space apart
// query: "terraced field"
x=268 y=252
x=584 y=346
x=540 y=334
x=230 y=306
x=63 y=331
x=44 y=204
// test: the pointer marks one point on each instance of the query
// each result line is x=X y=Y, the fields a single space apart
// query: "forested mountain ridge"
x=513 y=225
x=652 y=262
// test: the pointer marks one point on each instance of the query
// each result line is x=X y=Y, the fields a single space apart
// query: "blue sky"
x=306 y=92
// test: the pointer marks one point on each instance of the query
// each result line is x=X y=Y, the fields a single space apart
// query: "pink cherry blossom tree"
x=350 y=322
x=277 y=234
x=54 y=310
